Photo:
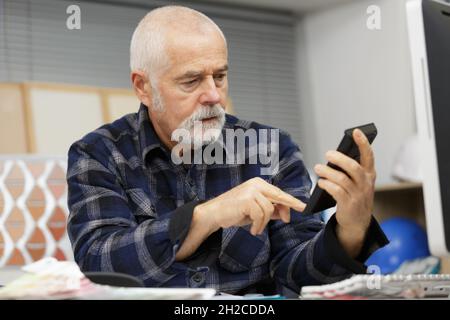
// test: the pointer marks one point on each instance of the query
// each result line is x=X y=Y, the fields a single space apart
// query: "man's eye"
x=219 y=76
x=190 y=82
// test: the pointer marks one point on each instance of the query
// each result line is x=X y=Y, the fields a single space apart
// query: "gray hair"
x=147 y=48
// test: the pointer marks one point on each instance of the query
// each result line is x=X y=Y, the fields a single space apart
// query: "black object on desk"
x=114 y=279
x=320 y=199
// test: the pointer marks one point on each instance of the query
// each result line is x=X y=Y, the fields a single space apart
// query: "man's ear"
x=141 y=86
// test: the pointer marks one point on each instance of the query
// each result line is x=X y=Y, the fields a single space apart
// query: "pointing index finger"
x=278 y=196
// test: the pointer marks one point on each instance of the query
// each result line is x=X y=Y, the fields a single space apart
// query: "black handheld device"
x=320 y=199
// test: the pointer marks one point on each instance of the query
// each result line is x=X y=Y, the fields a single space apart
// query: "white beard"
x=203 y=133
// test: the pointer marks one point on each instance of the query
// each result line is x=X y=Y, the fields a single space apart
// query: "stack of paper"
x=52 y=279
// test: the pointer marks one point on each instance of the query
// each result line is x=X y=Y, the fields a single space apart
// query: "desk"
x=9 y=273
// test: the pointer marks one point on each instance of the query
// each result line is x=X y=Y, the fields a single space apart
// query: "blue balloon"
x=408 y=241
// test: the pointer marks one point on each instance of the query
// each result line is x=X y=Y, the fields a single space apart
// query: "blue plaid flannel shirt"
x=130 y=209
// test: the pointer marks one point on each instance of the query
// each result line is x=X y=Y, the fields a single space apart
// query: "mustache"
x=203 y=113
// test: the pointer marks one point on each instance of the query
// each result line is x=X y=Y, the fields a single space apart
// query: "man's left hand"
x=353 y=192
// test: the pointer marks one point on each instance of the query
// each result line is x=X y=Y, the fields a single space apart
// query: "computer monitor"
x=429 y=36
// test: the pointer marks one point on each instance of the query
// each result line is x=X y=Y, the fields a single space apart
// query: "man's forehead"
x=196 y=52
x=193 y=44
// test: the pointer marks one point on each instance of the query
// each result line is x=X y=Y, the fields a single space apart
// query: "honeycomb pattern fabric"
x=33 y=210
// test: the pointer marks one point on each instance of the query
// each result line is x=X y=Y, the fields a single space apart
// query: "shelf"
x=399 y=186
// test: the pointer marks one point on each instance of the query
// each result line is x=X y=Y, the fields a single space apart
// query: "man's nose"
x=210 y=94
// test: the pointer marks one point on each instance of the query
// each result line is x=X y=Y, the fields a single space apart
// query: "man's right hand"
x=253 y=202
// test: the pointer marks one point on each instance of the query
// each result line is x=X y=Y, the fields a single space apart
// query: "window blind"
x=36 y=45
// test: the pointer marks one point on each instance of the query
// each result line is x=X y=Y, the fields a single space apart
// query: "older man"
x=222 y=225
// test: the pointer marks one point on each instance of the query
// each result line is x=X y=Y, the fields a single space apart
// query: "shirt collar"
x=148 y=139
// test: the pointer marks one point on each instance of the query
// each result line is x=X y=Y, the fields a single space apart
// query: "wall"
x=349 y=75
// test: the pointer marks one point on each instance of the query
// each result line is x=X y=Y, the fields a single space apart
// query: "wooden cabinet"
x=400 y=200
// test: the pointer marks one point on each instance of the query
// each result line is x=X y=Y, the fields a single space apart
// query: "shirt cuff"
x=180 y=222
x=374 y=240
